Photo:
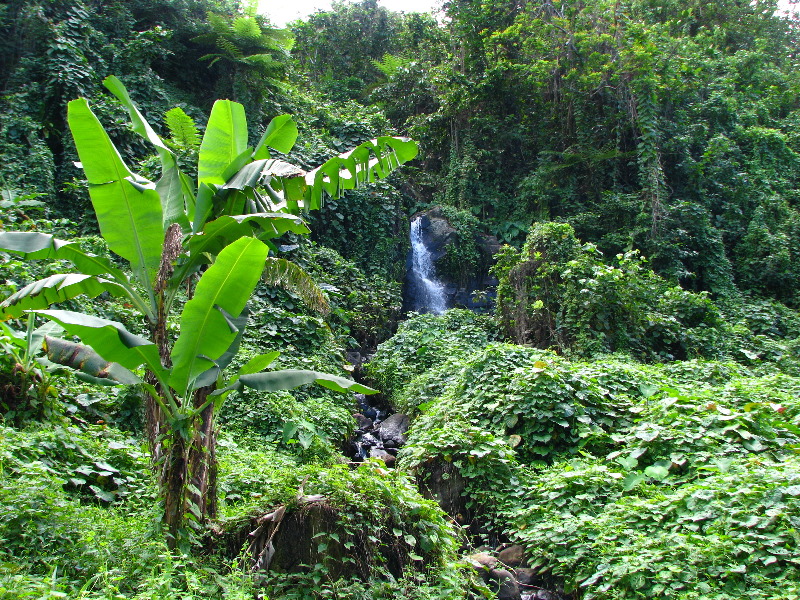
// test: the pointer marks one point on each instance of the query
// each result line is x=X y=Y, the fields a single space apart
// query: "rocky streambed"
x=506 y=568
x=379 y=433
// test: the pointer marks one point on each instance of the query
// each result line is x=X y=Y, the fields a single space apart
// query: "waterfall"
x=427 y=292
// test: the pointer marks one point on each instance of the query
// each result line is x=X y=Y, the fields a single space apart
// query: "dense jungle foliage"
x=188 y=245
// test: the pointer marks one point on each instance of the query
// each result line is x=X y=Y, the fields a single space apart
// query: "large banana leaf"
x=281 y=134
x=57 y=288
x=224 y=142
x=272 y=381
x=367 y=162
x=34 y=246
x=205 y=333
x=262 y=171
x=109 y=339
x=174 y=188
x=237 y=326
x=128 y=208
x=227 y=228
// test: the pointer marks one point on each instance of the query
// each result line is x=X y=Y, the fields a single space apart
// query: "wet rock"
x=437 y=235
x=441 y=481
x=526 y=576
x=387 y=458
x=364 y=423
x=354 y=358
x=544 y=595
x=393 y=430
x=368 y=440
x=508 y=588
x=513 y=556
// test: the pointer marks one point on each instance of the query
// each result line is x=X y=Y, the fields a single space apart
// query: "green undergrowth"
x=623 y=480
x=729 y=531
x=79 y=518
x=420 y=346
x=381 y=538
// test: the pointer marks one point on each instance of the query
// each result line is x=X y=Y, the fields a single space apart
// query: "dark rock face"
x=437 y=235
x=441 y=481
x=526 y=577
x=393 y=429
x=363 y=423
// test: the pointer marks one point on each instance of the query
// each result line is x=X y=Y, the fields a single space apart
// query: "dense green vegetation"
x=188 y=242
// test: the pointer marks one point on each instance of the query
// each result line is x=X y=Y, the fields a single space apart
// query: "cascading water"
x=427 y=292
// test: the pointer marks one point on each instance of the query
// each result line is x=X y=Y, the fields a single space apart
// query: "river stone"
x=482 y=561
x=509 y=590
x=526 y=576
x=393 y=430
x=545 y=595
x=387 y=458
x=513 y=556
x=368 y=440
x=363 y=422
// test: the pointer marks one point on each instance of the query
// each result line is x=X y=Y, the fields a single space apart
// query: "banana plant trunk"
x=186 y=452
x=203 y=459
x=188 y=477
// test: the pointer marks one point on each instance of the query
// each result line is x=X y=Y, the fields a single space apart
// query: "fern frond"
x=182 y=128
x=391 y=63
x=218 y=23
x=229 y=47
x=247 y=28
x=285 y=274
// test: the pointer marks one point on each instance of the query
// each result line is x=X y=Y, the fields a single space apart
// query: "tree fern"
x=246 y=28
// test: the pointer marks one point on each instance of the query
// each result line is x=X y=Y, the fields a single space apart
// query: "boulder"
x=507 y=585
x=545 y=595
x=393 y=429
x=387 y=458
x=512 y=556
x=526 y=577
x=363 y=423
x=482 y=561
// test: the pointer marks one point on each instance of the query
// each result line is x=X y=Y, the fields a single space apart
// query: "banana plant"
x=210 y=234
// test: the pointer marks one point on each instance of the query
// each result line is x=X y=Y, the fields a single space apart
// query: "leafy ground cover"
x=621 y=479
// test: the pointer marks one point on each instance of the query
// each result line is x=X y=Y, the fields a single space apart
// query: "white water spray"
x=429 y=296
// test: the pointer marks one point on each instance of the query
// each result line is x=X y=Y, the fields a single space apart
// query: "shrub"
x=555 y=293
x=424 y=342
